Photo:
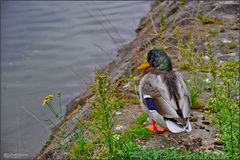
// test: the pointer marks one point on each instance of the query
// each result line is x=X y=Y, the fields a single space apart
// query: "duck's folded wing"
x=154 y=86
x=185 y=102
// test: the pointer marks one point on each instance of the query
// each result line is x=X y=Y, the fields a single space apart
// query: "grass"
x=195 y=87
x=137 y=129
x=185 y=50
x=171 y=154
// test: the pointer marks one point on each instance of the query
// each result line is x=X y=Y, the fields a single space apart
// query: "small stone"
x=206 y=58
x=234 y=27
x=230 y=45
x=226 y=41
x=203 y=118
x=218 y=142
x=206 y=122
x=207 y=130
x=188 y=146
x=221 y=30
x=118 y=113
x=211 y=148
x=179 y=141
x=201 y=110
x=220 y=61
x=232 y=54
x=218 y=147
x=198 y=139
x=202 y=127
x=193 y=119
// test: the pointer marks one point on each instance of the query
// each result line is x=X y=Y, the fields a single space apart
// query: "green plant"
x=213 y=31
x=47 y=101
x=137 y=129
x=185 y=51
x=46 y=143
x=66 y=132
x=82 y=148
x=105 y=141
x=212 y=65
x=163 y=23
x=205 y=19
x=224 y=108
x=104 y=106
x=195 y=88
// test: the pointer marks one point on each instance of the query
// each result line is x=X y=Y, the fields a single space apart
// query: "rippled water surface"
x=48 y=47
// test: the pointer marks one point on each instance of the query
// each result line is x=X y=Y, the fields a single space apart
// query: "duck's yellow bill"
x=144 y=65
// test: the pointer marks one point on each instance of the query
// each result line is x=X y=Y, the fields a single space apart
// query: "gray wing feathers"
x=154 y=86
x=185 y=100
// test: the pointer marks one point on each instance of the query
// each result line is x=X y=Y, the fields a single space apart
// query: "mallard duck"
x=163 y=94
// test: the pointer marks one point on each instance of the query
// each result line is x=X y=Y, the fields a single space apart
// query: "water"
x=48 y=47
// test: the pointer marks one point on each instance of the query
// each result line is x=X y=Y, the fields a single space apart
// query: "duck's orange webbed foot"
x=154 y=129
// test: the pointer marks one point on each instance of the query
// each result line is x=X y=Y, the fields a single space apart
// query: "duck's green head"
x=158 y=59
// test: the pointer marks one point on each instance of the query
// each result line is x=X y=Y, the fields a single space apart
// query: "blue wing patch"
x=150 y=103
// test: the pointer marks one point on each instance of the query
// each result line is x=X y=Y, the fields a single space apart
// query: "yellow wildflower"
x=47 y=99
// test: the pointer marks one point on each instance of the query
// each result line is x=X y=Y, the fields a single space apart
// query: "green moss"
x=213 y=31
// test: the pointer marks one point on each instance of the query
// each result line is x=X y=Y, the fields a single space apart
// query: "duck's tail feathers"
x=174 y=128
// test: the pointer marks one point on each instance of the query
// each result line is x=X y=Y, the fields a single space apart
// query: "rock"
x=234 y=27
x=197 y=141
x=206 y=122
x=230 y=45
x=193 y=119
x=218 y=147
x=180 y=141
x=228 y=56
x=225 y=41
x=218 y=142
x=221 y=30
x=187 y=146
x=202 y=127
